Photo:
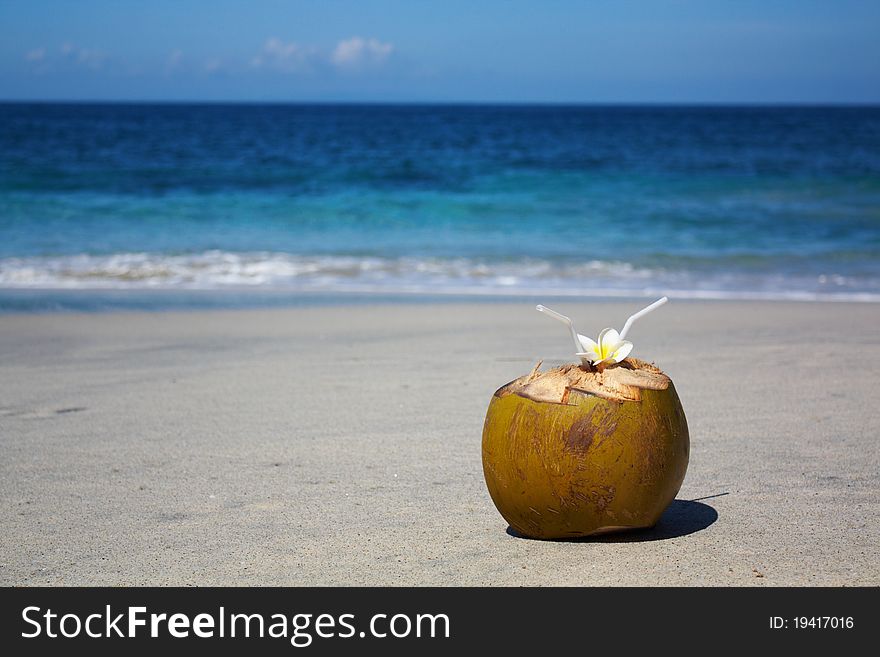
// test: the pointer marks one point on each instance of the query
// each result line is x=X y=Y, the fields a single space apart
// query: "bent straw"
x=565 y=320
x=643 y=311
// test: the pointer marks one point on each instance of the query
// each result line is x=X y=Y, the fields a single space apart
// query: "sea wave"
x=218 y=270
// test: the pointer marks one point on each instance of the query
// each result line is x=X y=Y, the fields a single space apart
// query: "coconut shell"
x=577 y=452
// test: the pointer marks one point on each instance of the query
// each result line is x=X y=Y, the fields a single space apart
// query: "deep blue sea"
x=244 y=201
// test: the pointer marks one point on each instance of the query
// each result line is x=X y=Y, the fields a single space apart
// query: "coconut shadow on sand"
x=682 y=517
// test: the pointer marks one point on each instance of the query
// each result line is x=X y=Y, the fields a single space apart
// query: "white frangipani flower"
x=609 y=348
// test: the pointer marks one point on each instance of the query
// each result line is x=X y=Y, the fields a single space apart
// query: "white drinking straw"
x=643 y=311
x=565 y=320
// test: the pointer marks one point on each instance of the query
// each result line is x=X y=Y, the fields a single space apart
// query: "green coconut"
x=578 y=451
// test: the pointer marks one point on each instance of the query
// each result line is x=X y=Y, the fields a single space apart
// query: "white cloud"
x=213 y=65
x=276 y=55
x=35 y=55
x=292 y=57
x=82 y=56
x=357 y=51
x=66 y=57
x=283 y=55
x=175 y=59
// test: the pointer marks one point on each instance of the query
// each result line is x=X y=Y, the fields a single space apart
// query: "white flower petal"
x=609 y=338
x=587 y=343
x=589 y=357
x=622 y=351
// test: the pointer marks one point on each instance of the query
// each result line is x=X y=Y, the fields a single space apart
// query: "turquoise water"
x=251 y=201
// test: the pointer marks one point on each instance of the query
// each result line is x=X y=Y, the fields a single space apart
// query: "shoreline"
x=340 y=445
x=66 y=300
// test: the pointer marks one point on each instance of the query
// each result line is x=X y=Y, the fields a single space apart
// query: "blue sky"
x=447 y=50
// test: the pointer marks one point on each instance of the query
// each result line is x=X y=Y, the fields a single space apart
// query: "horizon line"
x=481 y=103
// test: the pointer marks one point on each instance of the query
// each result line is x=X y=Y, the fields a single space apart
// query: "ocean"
x=116 y=204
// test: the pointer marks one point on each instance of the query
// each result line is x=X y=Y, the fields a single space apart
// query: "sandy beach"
x=341 y=445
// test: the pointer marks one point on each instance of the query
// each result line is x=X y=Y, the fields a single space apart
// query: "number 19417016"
x=813 y=622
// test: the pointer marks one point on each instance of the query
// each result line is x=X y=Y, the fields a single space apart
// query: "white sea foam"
x=212 y=270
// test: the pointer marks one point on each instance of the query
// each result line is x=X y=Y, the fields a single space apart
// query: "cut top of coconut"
x=621 y=382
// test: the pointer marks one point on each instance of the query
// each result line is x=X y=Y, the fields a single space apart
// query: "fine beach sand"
x=341 y=445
